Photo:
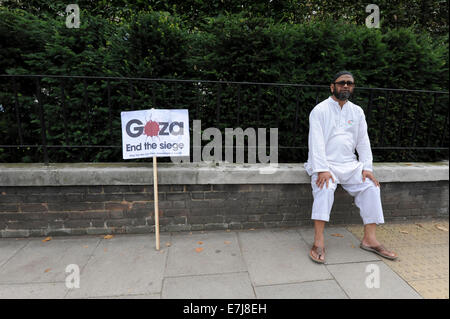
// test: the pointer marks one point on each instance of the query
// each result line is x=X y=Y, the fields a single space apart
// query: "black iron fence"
x=50 y=118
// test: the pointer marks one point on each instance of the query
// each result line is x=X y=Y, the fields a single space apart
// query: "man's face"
x=343 y=87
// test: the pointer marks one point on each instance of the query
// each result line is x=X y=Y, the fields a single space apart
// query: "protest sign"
x=155 y=133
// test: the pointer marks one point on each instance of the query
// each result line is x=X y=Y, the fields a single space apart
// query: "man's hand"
x=370 y=176
x=322 y=178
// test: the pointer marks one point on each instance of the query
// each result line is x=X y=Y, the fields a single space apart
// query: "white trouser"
x=366 y=194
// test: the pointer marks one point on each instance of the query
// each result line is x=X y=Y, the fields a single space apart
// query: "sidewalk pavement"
x=263 y=264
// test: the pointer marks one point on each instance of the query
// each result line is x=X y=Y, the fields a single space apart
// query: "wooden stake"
x=155 y=190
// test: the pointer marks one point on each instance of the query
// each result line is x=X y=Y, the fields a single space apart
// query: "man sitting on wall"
x=337 y=128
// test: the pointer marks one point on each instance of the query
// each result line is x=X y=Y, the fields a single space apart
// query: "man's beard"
x=343 y=95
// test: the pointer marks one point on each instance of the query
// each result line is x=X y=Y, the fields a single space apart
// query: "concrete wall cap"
x=67 y=174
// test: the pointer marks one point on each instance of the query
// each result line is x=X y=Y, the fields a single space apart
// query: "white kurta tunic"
x=334 y=135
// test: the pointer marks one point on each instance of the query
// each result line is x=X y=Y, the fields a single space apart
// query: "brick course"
x=81 y=210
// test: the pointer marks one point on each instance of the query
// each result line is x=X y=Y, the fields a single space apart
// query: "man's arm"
x=364 y=151
x=363 y=145
x=316 y=144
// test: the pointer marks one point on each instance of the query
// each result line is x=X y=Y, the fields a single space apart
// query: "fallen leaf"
x=168 y=244
x=403 y=232
x=353 y=246
x=108 y=237
x=46 y=239
x=105 y=250
x=198 y=249
x=85 y=246
x=200 y=243
x=227 y=242
x=419 y=225
x=441 y=228
x=337 y=235
x=47 y=270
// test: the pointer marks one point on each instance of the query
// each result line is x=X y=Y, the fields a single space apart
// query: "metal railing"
x=44 y=113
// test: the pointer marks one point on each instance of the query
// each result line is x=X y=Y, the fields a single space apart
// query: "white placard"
x=155 y=132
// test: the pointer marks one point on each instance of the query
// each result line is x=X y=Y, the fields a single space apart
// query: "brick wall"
x=79 y=210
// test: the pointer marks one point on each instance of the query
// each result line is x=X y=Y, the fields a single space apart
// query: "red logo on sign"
x=151 y=128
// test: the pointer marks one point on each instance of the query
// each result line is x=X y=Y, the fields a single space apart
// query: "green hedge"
x=227 y=48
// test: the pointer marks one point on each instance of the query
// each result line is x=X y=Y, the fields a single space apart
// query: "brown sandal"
x=379 y=250
x=319 y=251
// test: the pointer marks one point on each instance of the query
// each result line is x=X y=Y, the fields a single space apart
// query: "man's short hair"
x=341 y=73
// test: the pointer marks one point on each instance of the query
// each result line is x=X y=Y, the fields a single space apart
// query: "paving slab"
x=123 y=265
x=42 y=261
x=204 y=253
x=322 y=289
x=361 y=281
x=54 y=290
x=341 y=246
x=279 y=257
x=221 y=286
x=9 y=247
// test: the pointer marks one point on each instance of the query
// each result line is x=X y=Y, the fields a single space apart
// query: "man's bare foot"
x=376 y=247
x=317 y=254
x=318 y=250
